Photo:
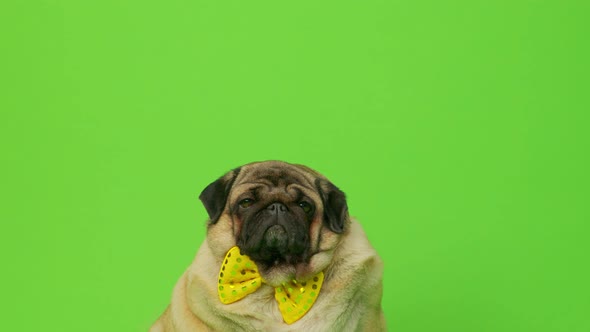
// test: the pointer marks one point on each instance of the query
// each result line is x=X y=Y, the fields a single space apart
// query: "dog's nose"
x=277 y=208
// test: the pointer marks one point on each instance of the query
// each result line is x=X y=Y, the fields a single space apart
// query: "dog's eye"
x=246 y=202
x=305 y=206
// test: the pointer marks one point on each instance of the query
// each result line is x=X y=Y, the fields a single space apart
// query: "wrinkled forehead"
x=279 y=177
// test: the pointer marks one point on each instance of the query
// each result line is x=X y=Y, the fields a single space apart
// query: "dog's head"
x=281 y=215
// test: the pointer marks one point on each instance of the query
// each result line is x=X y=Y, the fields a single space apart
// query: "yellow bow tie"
x=239 y=277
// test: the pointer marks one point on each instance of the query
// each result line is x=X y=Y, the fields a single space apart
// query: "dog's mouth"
x=275 y=238
x=275 y=246
x=274 y=235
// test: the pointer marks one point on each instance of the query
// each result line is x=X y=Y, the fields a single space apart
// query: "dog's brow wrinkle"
x=293 y=187
x=259 y=183
x=309 y=183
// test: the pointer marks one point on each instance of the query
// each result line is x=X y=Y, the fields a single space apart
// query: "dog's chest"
x=260 y=312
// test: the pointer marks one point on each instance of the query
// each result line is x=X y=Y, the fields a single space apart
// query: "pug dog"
x=281 y=254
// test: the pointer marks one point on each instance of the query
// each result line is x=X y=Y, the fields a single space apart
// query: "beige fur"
x=349 y=300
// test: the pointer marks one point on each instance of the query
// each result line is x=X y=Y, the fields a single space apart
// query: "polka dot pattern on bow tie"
x=238 y=277
x=295 y=298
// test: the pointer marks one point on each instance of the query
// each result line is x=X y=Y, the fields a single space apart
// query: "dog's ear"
x=214 y=196
x=335 y=207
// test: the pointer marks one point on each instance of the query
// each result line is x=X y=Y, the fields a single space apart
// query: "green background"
x=458 y=129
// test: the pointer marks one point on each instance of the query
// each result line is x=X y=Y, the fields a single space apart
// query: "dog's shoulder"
x=356 y=255
x=350 y=298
